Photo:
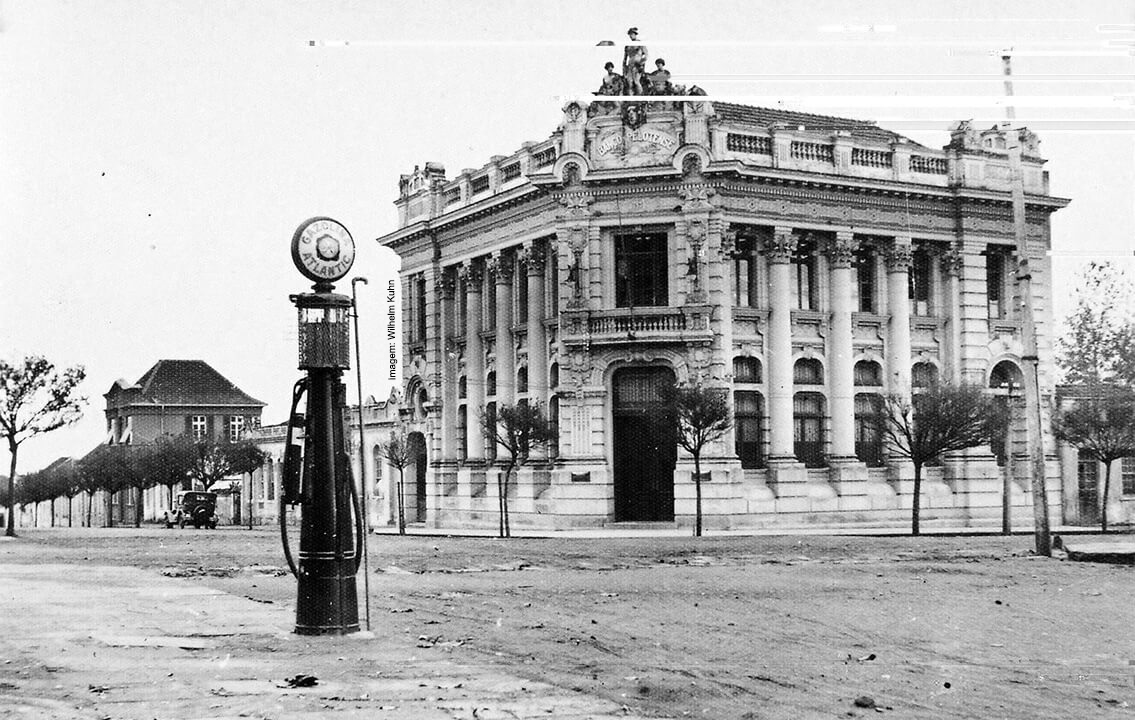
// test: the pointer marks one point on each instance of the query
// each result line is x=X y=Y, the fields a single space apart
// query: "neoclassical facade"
x=809 y=264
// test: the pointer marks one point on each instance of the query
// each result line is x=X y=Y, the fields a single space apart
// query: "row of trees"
x=169 y=462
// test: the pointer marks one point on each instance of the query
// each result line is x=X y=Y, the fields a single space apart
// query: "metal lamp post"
x=327 y=603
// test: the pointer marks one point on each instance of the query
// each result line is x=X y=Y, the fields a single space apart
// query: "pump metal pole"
x=362 y=448
x=1029 y=357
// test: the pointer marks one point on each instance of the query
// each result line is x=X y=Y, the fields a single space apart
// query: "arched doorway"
x=417 y=443
x=644 y=449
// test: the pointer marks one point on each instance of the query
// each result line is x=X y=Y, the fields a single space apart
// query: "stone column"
x=446 y=377
x=779 y=352
x=501 y=269
x=952 y=264
x=841 y=254
x=535 y=261
x=474 y=362
x=898 y=304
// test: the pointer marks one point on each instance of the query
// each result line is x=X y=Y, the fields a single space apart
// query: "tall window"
x=865 y=264
x=462 y=433
x=640 y=270
x=747 y=412
x=920 y=280
x=420 y=309
x=491 y=383
x=808 y=371
x=236 y=428
x=489 y=301
x=923 y=375
x=808 y=428
x=804 y=292
x=491 y=421
x=553 y=285
x=554 y=422
x=997 y=288
x=746 y=370
x=745 y=273
x=461 y=307
x=868 y=373
x=199 y=426
x=522 y=380
x=1127 y=468
x=869 y=428
x=520 y=292
x=462 y=387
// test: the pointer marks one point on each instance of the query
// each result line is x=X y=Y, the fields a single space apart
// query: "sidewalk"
x=113 y=642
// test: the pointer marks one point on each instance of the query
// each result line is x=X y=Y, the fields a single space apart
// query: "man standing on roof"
x=634 y=63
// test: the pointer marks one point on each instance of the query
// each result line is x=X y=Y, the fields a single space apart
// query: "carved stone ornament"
x=695 y=231
x=898 y=257
x=445 y=284
x=780 y=247
x=634 y=114
x=573 y=110
x=535 y=259
x=841 y=250
x=474 y=274
x=500 y=268
x=697 y=197
x=729 y=244
x=952 y=262
x=571 y=175
x=577 y=204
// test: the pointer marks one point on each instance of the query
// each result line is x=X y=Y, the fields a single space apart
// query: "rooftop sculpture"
x=636 y=82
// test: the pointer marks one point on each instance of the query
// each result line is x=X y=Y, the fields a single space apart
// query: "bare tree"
x=110 y=468
x=699 y=415
x=396 y=450
x=35 y=398
x=519 y=429
x=1102 y=424
x=940 y=419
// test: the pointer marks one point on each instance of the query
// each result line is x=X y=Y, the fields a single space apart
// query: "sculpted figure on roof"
x=634 y=63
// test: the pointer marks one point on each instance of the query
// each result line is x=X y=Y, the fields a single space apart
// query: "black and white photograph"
x=734 y=360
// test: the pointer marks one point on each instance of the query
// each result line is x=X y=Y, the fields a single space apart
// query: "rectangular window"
x=420 y=309
x=460 y=307
x=996 y=275
x=1127 y=466
x=553 y=286
x=490 y=421
x=865 y=279
x=808 y=430
x=743 y=281
x=869 y=429
x=804 y=277
x=641 y=270
x=236 y=428
x=462 y=433
x=489 y=295
x=747 y=410
x=520 y=292
x=920 y=279
x=270 y=479
x=199 y=427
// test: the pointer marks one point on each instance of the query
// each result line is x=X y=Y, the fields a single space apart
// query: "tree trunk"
x=70 y=505
x=1103 y=496
x=697 y=494
x=401 y=507
x=90 y=503
x=500 y=506
x=249 y=501
x=11 y=529
x=916 y=500
x=504 y=498
x=52 y=512
x=139 y=507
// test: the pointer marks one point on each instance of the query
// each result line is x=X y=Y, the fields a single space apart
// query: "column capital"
x=473 y=273
x=445 y=283
x=534 y=255
x=952 y=262
x=841 y=249
x=500 y=267
x=898 y=255
x=781 y=245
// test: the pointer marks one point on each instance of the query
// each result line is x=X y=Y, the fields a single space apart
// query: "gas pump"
x=317 y=475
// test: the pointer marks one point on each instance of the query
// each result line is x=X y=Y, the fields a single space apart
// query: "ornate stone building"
x=809 y=264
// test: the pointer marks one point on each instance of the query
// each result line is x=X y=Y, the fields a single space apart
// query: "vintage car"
x=193 y=506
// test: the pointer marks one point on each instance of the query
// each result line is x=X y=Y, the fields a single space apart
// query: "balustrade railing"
x=752 y=144
x=811 y=151
x=928 y=165
x=872 y=158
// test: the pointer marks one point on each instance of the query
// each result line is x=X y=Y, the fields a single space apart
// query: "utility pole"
x=1030 y=358
x=363 y=491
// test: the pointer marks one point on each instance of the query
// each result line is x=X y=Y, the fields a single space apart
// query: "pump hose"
x=297 y=392
x=359 y=529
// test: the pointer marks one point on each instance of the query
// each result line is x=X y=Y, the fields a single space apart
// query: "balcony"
x=689 y=323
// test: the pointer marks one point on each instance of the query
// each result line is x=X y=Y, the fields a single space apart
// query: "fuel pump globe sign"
x=323 y=250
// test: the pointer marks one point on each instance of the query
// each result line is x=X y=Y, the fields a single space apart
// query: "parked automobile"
x=193 y=506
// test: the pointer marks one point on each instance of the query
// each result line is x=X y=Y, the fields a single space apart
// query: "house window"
x=554 y=422
x=640 y=270
x=462 y=387
x=236 y=428
x=461 y=307
x=1127 y=469
x=491 y=383
x=808 y=371
x=489 y=298
x=199 y=426
x=865 y=262
x=868 y=373
x=270 y=479
x=808 y=428
x=747 y=412
x=744 y=274
x=520 y=292
x=462 y=432
x=869 y=429
x=923 y=375
x=553 y=286
x=746 y=370
x=920 y=279
x=997 y=289
x=490 y=421
x=804 y=276
x=522 y=380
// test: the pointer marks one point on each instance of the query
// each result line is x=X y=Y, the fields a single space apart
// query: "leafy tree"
x=940 y=419
x=35 y=398
x=69 y=484
x=1098 y=345
x=519 y=429
x=1102 y=425
x=245 y=458
x=396 y=450
x=110 y=468
x=699 y=415
x=169 y=461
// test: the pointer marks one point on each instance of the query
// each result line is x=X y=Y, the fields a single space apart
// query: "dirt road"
x=757 y=627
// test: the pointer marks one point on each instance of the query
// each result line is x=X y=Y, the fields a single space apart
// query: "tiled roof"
x=190 y=382
x=731 y=113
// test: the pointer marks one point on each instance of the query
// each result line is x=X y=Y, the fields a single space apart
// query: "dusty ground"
x=757 y=627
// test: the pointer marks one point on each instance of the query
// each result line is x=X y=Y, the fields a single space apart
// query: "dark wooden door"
x=644 y=448
x=1088 y=476
x=418 y=451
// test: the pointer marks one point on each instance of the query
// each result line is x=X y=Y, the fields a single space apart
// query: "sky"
x=156 y=157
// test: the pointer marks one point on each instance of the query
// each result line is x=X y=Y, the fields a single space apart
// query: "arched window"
x=869 y=428
x=748 y=410
x=462 y=387
x=923 y=375
x=554 y=421
x=868 y=373
x=1006 y=376
x=1005 y=383
x=808 y=428
x=808 y=371
x=554 y=376
x=522 y=380
x=746 y=370
x=491 y=383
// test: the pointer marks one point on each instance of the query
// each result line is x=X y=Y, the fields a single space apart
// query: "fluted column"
x=474 y=362
x=952 y=264
x=501 y=269
x=447 y=375
x=779 y=353
x=841 y=253
x=535 y=261
x=898 y=304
